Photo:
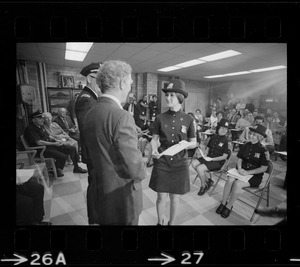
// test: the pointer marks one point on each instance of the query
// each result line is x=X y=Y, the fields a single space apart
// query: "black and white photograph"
x=207 y=146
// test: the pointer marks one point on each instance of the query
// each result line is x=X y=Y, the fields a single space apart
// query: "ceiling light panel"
x=221 y=55
x=82 y=47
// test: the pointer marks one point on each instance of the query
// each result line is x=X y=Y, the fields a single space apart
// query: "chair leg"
x=215 y=185
x=258 y=203
x=195 y=179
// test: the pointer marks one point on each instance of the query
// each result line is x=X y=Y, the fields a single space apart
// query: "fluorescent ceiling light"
x=224 y=54
x=237 y=73
x=268 y=69
x=169 y=68
x=215 y=76
x=81 y=47
x=190 y=63
x=76 y=56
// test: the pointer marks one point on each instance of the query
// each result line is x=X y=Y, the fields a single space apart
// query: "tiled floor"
x=65 y=201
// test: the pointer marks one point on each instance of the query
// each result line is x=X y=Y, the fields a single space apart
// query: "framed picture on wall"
x=67 y=81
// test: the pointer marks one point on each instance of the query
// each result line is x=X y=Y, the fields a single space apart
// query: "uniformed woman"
x=251 y=161
x=217 y=153
x=170 y=174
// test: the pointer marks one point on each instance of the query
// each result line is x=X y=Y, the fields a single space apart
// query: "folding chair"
x=260 y=191
x=50 y=162
x=218 y=173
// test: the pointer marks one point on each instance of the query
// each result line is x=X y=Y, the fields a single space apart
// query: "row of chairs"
x=262 y=192
x=38 y=158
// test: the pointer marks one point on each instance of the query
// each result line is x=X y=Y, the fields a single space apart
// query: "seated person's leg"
x=70 y=150
x=60 y=158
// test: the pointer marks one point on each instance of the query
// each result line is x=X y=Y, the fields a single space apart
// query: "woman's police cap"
x=176 y=86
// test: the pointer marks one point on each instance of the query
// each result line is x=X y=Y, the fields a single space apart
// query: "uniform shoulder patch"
x=85 y=95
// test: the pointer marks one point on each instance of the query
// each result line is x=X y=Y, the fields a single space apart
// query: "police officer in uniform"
x=217 y=152
x=84 y=102
x=252 y=160
x=170 y=174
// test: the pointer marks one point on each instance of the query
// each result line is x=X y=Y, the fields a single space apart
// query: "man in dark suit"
x=65 y=122
x=132 y=108
x=86 y=99
x=111 y=139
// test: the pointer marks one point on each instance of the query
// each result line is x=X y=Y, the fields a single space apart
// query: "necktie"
x=65 y=121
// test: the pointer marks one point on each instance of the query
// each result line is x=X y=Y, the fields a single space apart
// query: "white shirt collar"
x=113 y=98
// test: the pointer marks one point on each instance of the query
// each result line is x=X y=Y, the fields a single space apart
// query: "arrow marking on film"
x=167 y=259
x=20 y=259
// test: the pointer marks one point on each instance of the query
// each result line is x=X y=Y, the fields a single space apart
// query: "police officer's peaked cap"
x=259 y=129
x=93 y=67
x=223 y=123
x=36 y=114
x=177 y=86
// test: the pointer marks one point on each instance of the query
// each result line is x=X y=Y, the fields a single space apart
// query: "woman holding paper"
x=175 y=131
x=251 y=165
x=217 y=153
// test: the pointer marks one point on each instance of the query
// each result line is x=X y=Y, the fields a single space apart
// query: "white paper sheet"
x=282 y=152
x=23 y=175
x=171 y=151
x=234 y=173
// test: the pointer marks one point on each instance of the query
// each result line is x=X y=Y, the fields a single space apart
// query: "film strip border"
x=147 y=22
x=134 y=22
x=220 y=245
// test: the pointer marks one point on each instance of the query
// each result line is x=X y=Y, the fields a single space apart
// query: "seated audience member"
x=276 y=128
x=267 y=142
x=143 y=105
x=247 y=120
x=198 y=117
x=217 y=153
x=251 y=161
x=220 y=115
x=36 y=135
x=276 y=117
x=255 y=112
x=30 y=203
x=249 y=105
x=213 y=117
x=65 y=122
x=53 y=129
x=197 y=132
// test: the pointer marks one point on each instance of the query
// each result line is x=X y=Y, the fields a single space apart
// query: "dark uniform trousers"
x=29 y=203
x=60 y=154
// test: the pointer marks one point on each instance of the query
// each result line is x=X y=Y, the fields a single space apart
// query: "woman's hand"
x=241 y=171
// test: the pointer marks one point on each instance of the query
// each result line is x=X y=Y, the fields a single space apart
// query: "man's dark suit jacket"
x=66 y=128
x=118 y=168
x=136 y=112
x=85 y=100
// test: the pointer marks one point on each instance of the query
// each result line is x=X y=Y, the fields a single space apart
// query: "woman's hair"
x=110 y=73
x=198 y=110
x=218 y=128
x=180 y=97
x=259 y=136
x=47 y=114
x=221 y=112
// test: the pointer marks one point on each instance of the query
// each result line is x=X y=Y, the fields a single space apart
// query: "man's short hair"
x=110 y=73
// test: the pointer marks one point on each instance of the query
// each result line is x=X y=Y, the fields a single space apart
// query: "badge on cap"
x=183 y=129
x=170 y=86
x=256 y=155
x=85 y=95
x=226 y=123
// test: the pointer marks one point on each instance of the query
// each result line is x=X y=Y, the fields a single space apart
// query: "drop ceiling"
x=149 y=57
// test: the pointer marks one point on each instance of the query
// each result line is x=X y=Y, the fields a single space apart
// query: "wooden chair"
x=26 y=160
x=263 y=191
x=50 y=162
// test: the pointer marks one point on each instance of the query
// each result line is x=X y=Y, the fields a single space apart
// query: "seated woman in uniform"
x=217 y=152
x=251 y=161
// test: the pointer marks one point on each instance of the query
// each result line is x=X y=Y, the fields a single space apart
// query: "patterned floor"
x=65 y=201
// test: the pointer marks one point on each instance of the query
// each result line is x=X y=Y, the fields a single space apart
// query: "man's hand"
x=155 y=154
